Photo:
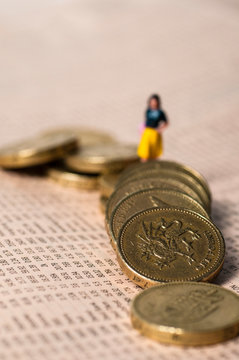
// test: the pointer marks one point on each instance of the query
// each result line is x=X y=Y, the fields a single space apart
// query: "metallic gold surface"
x=85 y=136
x=37 y=150
x=103 y=203
x=103 y=158
x=148 y=183
x=169 y=244
x=174 y=174
x=187 y=313
x=167 y=164
x=107 y=183
x=66 y=177
x=145 y=199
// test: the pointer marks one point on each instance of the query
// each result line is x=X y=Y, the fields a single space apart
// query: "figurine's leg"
x=143 y=160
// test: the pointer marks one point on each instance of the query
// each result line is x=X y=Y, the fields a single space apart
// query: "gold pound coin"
x=68 y=178
x=146 y=199
x=148 y=183
x=37 y=150
x=166 y=164
x=107 y=184
x=85 y=136
x=172 y=174
x=103 y=158
x=169 y=244
x=188 y=313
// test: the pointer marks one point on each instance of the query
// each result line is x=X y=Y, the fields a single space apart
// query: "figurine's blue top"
x=154 y=117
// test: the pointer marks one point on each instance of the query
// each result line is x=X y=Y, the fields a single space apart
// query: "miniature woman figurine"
x=151 y=145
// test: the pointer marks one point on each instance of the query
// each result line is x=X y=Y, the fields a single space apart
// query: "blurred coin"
x=103 y=203
x=66 y=177
x=186 y=313
x=37 y=150
x=134 y=186
x=145 y=199
x=107 y=183
x=103 y=158
x=166 y=164
x=169 y=244
x=174 y=174
x=85 y=136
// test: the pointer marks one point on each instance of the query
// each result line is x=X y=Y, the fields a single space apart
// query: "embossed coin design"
x=37 y=150
x=145 y=199
x=148 y=183
x=103 y=158
x=187 y=313
x=168 y=244
x=65 y=177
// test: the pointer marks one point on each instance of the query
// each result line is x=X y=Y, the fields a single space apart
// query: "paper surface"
x=62 y=293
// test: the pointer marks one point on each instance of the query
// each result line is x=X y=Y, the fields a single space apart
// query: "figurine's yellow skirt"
x=151 y=145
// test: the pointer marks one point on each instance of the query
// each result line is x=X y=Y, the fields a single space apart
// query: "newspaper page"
x=62 y=293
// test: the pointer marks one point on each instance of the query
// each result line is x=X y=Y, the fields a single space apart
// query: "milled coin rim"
x=174 y=174
x=143 y=279
x=180 y=336
x=173 y=164
x=145 y=191
x=108 y=212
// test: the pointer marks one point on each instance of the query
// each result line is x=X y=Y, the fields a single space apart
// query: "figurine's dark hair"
x=156 y=97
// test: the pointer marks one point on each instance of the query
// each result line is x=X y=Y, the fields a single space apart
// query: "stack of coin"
x=158 y=221
x=76 y=157
x=98 y=154
x=37 y=150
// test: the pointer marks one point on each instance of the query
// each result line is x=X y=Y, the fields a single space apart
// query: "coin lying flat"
x=166 y=164
x=146 y=199
x=85 y=136
x=186 y=313
x=133 y=186
x=107 y=183
x=173 y=174
x=103 y=158
x=169 y=244
x=65 y=177
x=37 y=150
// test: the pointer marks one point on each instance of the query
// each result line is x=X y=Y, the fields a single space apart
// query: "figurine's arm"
x=163 y=124
x=142 y=127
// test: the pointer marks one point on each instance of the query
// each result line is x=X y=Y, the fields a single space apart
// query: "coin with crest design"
x=169 y=244
x=145 y=199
